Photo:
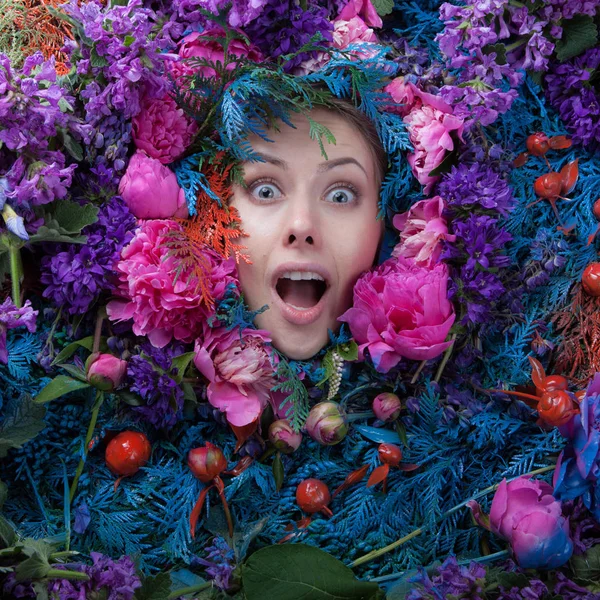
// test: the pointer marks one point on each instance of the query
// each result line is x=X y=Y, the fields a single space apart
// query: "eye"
x=265 y=191
x=341 y=195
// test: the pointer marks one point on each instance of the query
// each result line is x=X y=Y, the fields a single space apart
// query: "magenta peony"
x=387 y=407
x=430 y=132
x=283 y=437
x=240 y=371
x=401 y=310
x=525 y=512
x=162 y=130
x=421 y=230
x=163 y=303
x=105 y=371
x=408 y=96
x=363 y=9
x=150 y=189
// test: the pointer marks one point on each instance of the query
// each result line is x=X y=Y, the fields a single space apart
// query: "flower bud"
x=283 y=437
x=326 y=423
x=105 y=371
x=387 y=407
x=207 y=462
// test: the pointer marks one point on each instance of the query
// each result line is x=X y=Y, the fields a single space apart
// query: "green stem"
x=192 y=589
x=418 y=372
x=88 y=438
x=303 y=5
x=64 y=574
x=447 y=355
x=377 y=553
x=64 y=554
x=359 y=416
x=15 y=274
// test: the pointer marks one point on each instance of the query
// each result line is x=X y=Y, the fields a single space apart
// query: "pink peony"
x=421 y=230
x=150 y=189
x=401 y=310
x=240 y=371
x=163 y=303
x=429 y=129
x=162 y=130
x=363 y=9
x=105 y=371
x=408 y=96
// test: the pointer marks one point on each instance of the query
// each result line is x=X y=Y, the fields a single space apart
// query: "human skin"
x=307 y=215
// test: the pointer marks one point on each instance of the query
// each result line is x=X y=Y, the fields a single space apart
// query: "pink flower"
x=105 y=371
x=361 y=8
x=429 y=129
x=401 y=310
x=525 y=512
x=150 y=189
x=240 y=371
x=162 y=130
x=421 y=229
x=408 y=96
x=163 y=303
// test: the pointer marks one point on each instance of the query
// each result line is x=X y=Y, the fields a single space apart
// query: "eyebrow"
x=323 y=167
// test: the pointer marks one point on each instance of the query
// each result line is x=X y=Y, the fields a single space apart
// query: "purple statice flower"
x=281 y=30
x=577 y=100
x=219 y=562
x=12 y=588
x=577 y=472
x=151 y=376
x=584 y=528
x=476 y=186
x=460 y=405
x=569 y=590
x=536 y=590
x=115 y=579
x=82 y=518
x=76 y=275
x=12 y=317
x=452 y=579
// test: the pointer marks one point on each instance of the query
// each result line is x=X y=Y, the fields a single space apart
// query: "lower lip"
x=300 y=316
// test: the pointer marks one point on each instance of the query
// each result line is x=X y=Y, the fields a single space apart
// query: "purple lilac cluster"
x=33 y=108
x=572 y=92
x=474 y=195
x=281 y=30
x=151 y=375
x=491 y=43
x=77 y=275
x=123 y=59
x=219 y=562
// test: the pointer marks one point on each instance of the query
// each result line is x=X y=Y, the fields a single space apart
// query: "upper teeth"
x=297 y=275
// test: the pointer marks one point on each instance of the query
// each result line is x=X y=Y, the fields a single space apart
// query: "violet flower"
x=220 y=563
x=12 y=317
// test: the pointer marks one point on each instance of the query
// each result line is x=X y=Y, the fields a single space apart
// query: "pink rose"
x=525 y=512
x=421 y=230
x=429 y=129
x=361 y=8
x=150 y=189
x=408 y=96
x=401 y=310
x=162 y=130
x=163 y=299
x=240 y=371
x=105 y=371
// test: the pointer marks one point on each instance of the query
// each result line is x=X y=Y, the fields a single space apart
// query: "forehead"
x=292 y=143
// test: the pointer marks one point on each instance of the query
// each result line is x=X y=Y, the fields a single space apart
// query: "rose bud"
x=283 y=437
x=387 y=407
x=326 y=423
x=207 y=462
x=150 y=189
x=105 y=371
x=127 y=452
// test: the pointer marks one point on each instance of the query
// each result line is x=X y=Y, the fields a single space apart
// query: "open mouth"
x=301 y=289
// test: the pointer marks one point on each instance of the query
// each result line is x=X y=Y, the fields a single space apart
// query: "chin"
x=299 y=345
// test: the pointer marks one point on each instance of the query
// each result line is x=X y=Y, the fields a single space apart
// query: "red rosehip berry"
x=389 y=454
x=596 y=209
x=207 y=462
x=591 y=279
x=538 y=144
x=548 y=186
x=127 y=452
x=552 y=383
x=312 y=496
x=556 y=408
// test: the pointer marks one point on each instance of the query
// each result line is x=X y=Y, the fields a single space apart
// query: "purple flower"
x=220 y=563
x=151 y=376
x=82 y=518
x=578 y=468
x=12 y=317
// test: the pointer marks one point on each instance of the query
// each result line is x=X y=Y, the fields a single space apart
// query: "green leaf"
x=579 y=34
x=8 y=537
x=37 y=565
x=586 y=566
x=64 y=221
x=154 y=587
x=69 y=350
x=73 y=147
x=328 y=367
x=96 y=60
x=3 y=493
x=348 y=351
x=292 y=571
x=383 y=7
x=499 y=49
x=24 y=419
x=511 y=580
x=131 y=398
x=129 y=39
x=181 y=363
x=449 y=160
x=58 y=387
x=76 y=372
x=278 y=473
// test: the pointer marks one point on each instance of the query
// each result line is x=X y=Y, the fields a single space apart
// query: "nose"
x=301 y=228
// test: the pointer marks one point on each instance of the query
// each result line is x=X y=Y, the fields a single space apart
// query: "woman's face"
x=312 y=230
